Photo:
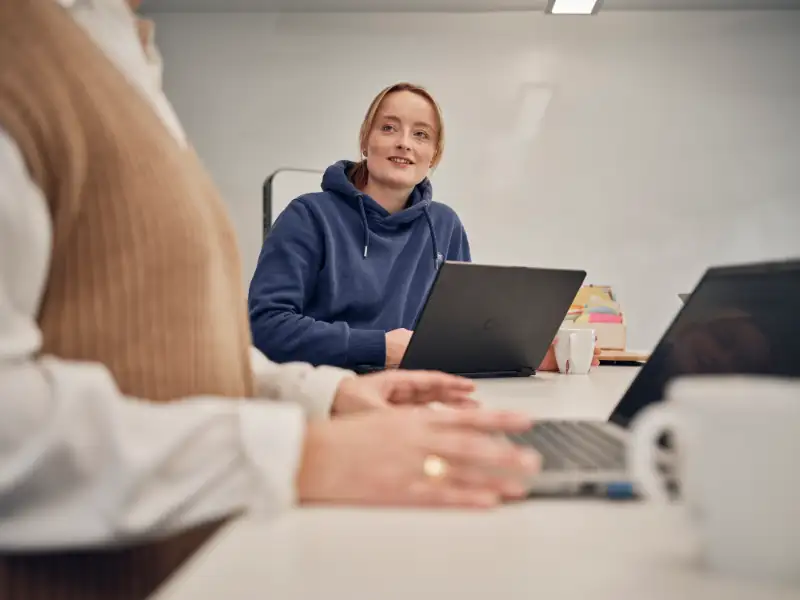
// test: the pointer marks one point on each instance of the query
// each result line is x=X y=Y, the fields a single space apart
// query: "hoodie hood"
x=375 y=217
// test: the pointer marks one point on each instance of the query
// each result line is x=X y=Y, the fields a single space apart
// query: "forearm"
x=80 y=464
x=282 y=288
x=287 y=337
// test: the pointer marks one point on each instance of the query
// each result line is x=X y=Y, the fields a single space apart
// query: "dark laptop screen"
x=738 y=320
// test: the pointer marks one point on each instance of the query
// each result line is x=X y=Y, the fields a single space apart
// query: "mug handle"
x=642 y=449
x=570 y=362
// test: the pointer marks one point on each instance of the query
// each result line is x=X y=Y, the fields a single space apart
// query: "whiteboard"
x=283 y=186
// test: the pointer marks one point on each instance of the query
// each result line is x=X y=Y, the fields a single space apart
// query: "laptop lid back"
x=490 y=319
x=739 y=320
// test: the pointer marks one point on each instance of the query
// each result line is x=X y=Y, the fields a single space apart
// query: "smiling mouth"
x=399 y=160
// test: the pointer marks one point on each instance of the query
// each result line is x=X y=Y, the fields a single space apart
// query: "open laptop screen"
x=739 y=320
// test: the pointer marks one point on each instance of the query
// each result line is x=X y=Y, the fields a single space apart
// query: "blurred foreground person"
x=136 y=416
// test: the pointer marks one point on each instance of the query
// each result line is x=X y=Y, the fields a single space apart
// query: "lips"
x=401 y=160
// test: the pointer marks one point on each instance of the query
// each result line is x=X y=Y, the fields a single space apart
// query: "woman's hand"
x=416 y=457
x=397 y=388
x=397 y=342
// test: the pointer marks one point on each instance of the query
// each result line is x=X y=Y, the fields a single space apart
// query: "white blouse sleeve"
x=81 y=464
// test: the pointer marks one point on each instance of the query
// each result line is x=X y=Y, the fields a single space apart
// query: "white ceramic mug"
x=737 y=448
x=574 y=349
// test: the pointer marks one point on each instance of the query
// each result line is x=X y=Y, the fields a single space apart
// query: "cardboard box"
x=598 y=302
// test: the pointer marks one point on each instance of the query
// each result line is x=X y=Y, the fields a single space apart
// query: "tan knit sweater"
x=145 y=273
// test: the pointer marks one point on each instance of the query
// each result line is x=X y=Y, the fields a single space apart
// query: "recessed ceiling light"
x=573 y=7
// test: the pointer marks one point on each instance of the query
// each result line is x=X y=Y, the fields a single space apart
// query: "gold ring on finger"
x=434 y=467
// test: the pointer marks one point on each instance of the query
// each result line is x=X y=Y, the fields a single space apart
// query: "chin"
x=396 y=180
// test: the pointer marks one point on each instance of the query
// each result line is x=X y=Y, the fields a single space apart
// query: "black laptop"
x=490 y=321
x=739 y=320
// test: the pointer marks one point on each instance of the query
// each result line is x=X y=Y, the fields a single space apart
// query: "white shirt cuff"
x=319 y=388
x=272 y=442
x=314 y=388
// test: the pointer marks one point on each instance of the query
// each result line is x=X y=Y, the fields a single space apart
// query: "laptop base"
x=367 y=369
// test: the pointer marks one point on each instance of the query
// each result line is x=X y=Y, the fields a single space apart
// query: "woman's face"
x=402 y=142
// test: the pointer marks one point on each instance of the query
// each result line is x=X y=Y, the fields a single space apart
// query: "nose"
x=403 y=143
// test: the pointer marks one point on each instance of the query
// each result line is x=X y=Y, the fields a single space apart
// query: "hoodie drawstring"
x=364 y=222
x=433 y=238
x=427 y=218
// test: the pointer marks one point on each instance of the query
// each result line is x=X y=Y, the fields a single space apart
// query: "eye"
x=423 y=135
x=387 y=128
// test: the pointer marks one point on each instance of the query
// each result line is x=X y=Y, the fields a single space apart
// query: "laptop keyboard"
x=566 y=445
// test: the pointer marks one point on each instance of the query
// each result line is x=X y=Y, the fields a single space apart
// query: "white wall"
x=670 y=140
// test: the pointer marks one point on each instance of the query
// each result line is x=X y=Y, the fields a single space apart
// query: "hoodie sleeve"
x=283 y=283
x=459 y=244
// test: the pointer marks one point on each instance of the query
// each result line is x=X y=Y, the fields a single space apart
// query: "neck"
x=392 y=200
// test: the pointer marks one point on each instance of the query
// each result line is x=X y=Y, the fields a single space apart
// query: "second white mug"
x=737 y=446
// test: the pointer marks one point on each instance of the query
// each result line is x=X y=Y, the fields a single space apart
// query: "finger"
x=481 y=479
x=453 y=392
x=449 y=397
x=423 y=381
x=466 y=404
x=475 y=450
x=423 y=387
x=481 y=419
x=460 y=402
x=437 y=493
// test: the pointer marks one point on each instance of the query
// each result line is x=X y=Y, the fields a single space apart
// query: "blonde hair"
x=359 y=173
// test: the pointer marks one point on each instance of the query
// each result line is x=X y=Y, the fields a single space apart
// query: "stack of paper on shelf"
x=595 y=307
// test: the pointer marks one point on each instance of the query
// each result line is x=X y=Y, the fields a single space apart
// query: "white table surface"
x=559 y=549
x=556 y=396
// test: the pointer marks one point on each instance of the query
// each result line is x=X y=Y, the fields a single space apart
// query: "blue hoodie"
x=337 y=271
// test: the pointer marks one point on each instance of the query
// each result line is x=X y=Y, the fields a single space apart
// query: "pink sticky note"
x=604 y=318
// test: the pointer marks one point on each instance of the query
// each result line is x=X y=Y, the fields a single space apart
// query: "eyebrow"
x=417 y=124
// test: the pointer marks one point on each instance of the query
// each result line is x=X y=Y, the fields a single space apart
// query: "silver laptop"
x=743 y=319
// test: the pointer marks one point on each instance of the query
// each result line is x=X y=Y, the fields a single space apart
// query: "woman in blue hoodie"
x=345 y=271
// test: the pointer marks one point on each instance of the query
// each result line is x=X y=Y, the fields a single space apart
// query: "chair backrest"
x=283 y=186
